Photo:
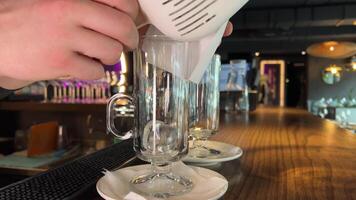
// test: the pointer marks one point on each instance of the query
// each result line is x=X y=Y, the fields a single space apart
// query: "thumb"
x=141 y=19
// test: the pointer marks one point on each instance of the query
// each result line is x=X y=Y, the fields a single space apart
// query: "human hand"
x=48 y=39
x=229 y=29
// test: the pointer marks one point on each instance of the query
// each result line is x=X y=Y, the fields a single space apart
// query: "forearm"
x=7 y=83
x=12 y=84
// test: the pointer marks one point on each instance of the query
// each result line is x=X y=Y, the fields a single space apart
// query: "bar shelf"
x=52 y=107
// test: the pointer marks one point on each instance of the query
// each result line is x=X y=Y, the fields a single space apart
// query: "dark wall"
x=317 y=89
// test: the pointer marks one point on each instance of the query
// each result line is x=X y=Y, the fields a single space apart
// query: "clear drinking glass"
x=78 y=91
x=64 y=89
x=71 y=91
x=104 y=91
x=44 y=86
x=161 y=116
x=57 y=92
x=87 y=92
x=204 y=110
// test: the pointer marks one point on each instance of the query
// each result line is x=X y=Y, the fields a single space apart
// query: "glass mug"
x=160 y=109
x=204 y=110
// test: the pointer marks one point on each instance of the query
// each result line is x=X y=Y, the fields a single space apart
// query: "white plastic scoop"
x=199 y=22
x=189 y=20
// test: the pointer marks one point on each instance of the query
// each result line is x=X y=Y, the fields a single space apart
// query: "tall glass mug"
x=160 y=107
x=204 y=110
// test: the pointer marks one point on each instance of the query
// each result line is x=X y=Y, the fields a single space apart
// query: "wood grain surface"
x=288 y=154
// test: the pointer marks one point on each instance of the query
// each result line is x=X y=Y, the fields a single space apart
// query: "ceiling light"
x=332 y=74
x=354 y=23
x=334 y=69
x=332 y=49
x=304 y=53
x=257 y=54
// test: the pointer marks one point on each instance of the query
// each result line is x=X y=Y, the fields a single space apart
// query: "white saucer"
x=122 y=186
x=228 y=153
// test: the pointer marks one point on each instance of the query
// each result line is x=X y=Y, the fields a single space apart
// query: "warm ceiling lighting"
x=354 y=23
x=332 y=49
x=334 y=69
x=304 y=53
x=331 y=43
x=257 y=54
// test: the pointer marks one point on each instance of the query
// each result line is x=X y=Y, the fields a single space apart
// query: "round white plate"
x=228 y=153
x=127 y=174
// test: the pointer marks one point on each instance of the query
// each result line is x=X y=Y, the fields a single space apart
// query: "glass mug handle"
x=125 y=105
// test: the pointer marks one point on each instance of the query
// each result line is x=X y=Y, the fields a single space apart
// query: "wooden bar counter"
x=288 y=154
